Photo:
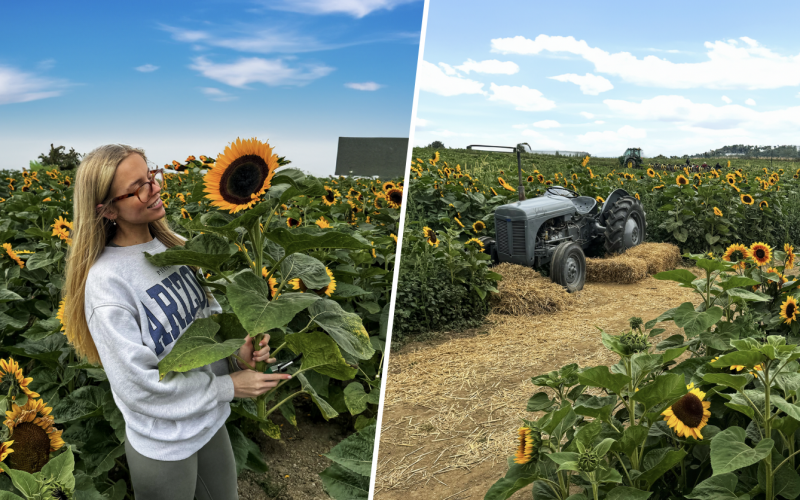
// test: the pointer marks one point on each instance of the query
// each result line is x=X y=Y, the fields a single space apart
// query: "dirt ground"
x=294 y=461
x=453 y=404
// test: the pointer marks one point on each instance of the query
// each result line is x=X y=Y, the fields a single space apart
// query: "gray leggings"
x=209 y=474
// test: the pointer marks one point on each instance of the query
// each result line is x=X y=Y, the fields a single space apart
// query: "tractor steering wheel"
x=555 y=191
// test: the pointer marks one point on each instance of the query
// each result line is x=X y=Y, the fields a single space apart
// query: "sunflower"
x=747 y=199
x=241 y=174
x=395 y=197
x=789 y=262
x=328 y=289
x=600 y=199
x=761 y=253
x=504 y=184
x=12 y=380
x=388 y=185
x=763 y=204
x=689 y=414
x=430 y=235
x=781 y=276
x=651 y=172
x=478 y=226
x=637 y=196
x=322 y=223
x=476 y=242
x=526 y=446
x=681 y=180
x=458 y=222
x=530 y=178
x=493 y=191
x=574 y=177
x=717 y=212
x=789 y=310
x=35 y=436
x=273 y=283
x=540 y=178
x=329 y=198
x=738 y=254
x=293 y=222
x=731 y=179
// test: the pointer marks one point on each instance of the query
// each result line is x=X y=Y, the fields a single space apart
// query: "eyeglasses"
x=145 y=190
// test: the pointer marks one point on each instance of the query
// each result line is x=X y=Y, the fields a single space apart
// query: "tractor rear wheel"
x=625 y=225
x=568 y=267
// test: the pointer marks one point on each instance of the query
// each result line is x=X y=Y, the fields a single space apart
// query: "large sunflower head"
x=478 y=226
x=430 y=235
x=395 y=197
x=651 y=172
x=475 y=243
x=747 y=199
x=681 y=180
x=738 y=254
x=291 y=222
x=789 y=310
x=763 y=204
x=241 y=174
x=689 y=414
x=761 y=253
x=35 y=436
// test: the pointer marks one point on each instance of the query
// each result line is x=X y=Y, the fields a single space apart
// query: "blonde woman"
x=125 y=314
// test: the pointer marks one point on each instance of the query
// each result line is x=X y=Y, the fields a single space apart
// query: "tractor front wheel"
x=625 y=225
x=568 y=267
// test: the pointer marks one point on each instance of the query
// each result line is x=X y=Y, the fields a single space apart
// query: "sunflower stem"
x=625 y=469
x=276 y=351
x=767 y=431
x=277 y=405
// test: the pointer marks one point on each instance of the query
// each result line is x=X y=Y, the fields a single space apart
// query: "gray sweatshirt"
x=135 y=312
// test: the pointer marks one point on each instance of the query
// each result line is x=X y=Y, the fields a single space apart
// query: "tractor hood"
x=542 y=207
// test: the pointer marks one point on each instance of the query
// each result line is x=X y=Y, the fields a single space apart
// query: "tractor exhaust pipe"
x=521 y=188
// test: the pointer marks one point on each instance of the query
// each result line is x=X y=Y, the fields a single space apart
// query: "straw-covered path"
x=453 y=405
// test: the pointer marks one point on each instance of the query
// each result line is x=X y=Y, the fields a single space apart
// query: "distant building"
x=384 y=157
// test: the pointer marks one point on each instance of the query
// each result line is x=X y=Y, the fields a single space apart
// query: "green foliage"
x=348 y=477
x=322 y=292
x=720 y=424
x=57 y=157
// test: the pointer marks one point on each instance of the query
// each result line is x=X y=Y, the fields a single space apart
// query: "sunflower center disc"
x=243 y=177
x=789 y=310
x=689 y=410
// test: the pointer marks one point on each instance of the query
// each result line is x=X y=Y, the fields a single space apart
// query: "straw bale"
x=659 y=256
x=525 y=291
x=616 y=269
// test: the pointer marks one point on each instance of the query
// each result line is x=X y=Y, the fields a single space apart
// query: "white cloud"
x=547 y=124
x=432 y=79
x=18 y=86
x=727 y=99
x=523 y=98
x=258 y=39
x=254 y=69
x=587 y=115
x=612 y=140
x=729 y=65
x=355 y=8
x=421 y=122
x=541 y=142
x=146 y=68
x=589 y=84
x=750 y=102
x=363 y=86
x=492 y=66
x=217 y=94
x=448 y=70
x=599 y=122
x=448 y=133
x=700 y=116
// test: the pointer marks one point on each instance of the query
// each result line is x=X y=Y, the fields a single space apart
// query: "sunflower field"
x=308 y=261
x=745 y=202
x=710 y=413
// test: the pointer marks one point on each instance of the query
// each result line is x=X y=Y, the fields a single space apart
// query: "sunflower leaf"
x=664 y=389
x=326 y=409
x=667 y=461
x=599 y=376
x=321 y=354
x=310 y=270
x=735 y=381
x=694 y=322
x=208 y=251
x=248 y=295
x=729 y=451
x=345 y=328
x=294 y=243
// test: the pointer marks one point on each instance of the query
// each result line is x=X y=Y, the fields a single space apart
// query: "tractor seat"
x=584 y=204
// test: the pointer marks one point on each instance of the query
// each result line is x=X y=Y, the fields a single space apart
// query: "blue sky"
x=188 y=77
x=673 y=78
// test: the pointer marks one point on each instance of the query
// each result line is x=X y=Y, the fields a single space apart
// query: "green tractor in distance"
x=632 y=158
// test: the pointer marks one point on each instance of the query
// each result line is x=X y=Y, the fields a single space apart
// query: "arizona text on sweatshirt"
x=136 y=312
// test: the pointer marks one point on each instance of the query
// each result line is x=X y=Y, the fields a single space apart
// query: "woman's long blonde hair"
x=91 y=232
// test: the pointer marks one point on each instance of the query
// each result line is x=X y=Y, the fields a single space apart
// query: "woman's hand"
x=251 y=384
x=247 y=354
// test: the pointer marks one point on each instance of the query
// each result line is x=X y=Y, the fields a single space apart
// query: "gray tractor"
x=554 y=230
